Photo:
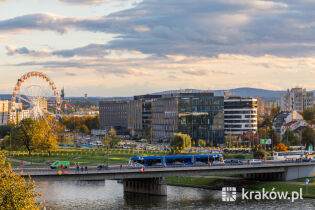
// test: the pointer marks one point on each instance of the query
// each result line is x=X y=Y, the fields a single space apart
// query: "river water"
x=109 y=195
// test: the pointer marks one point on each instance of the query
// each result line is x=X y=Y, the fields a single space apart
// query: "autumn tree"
x=111 y=138
x=34 y=135
x=180 y=142
x=15 y=191
x=281 y=148
x=84 y=129
x=202 y=143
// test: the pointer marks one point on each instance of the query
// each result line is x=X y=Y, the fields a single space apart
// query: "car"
x=101 y=167
x=60 y=164
x=233 y=162
x=255 y=161
x=218 y=163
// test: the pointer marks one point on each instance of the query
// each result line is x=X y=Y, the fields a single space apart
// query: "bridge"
x=151 y=180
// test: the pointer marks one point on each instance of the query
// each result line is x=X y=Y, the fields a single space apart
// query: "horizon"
x=126 y=96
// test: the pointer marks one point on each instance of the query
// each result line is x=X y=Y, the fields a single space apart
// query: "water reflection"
x=109 y=195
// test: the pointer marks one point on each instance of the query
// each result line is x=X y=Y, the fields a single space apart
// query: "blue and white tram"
x=174 y=160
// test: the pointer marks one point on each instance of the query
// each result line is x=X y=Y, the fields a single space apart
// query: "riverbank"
x=251 y=185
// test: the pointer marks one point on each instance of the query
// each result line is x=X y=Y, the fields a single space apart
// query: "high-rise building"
x=296 y=99
x=199 y=115
x=140 y=115
x=4 y=112
x=240 y=115
x=113 y=114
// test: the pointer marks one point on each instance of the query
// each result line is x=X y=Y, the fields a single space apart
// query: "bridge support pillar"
x=150 y=186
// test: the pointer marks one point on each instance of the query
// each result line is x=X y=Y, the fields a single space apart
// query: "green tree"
x=275 y=137
x=5 y=130
x=308 y=136
x=202 y=143
x=111 y=138
x=15 y=191
x=290 y=138
x=180 y=142
x=308 y=115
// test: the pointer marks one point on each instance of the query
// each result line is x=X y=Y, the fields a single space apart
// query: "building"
x=199 y=115
x=140 y=115
x=4 y=112
x=288 y=120
x=240 y=115
x=113 y=114
x=296 y=99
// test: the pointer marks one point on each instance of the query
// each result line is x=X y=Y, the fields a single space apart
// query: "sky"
x=130 y=47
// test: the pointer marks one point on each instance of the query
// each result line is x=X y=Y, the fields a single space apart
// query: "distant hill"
x=253 y=92
x=243 y=92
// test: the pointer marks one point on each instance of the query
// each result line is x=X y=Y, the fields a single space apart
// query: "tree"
x=34 y=135
x=281 y=148
x=290 y=138
x=202 y=143
x=84 y=129
x=5 y=130
x=180 y=142
x=274 y=112
x=275 y=137
x=308 y=136
x=111 y=138
x=261 y=153
x=15 y=191
x=308 y=115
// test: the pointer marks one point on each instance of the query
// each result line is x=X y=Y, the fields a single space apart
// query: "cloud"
x=193 y=28
x=13 y=50
x=5 y=39
x=85 y=1
x=91 y=50
x=170 y=72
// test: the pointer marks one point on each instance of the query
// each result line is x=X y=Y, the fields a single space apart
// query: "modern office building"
x=199 y=115
x=140 y=115
x=113 y=114
x=296 y=99
x=4 y=112
x=240 y=115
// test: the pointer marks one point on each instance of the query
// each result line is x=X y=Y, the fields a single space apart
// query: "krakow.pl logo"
x=228 y=193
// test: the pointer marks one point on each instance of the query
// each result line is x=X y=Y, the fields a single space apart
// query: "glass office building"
x=200 y=115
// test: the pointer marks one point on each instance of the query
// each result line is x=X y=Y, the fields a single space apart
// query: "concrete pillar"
x=150 y=186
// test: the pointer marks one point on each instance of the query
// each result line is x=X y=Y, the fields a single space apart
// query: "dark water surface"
x=109 y=195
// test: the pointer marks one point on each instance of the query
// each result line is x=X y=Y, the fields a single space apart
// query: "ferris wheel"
x=36 y=95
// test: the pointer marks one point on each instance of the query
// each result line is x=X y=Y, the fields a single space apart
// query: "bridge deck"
x=132 y=173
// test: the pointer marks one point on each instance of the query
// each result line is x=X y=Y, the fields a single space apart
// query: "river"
x=109 y=195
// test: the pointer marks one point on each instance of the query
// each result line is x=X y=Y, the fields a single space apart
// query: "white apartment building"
x=240 y=115
x=296 y=99
x=4 y=112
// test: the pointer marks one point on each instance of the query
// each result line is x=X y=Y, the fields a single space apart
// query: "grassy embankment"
x=83 y=156
x=308 y=191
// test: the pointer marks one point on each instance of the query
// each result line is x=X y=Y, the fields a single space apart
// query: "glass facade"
x=201 y=115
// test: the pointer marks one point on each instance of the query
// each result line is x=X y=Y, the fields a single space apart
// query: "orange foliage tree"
x=281 y=148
